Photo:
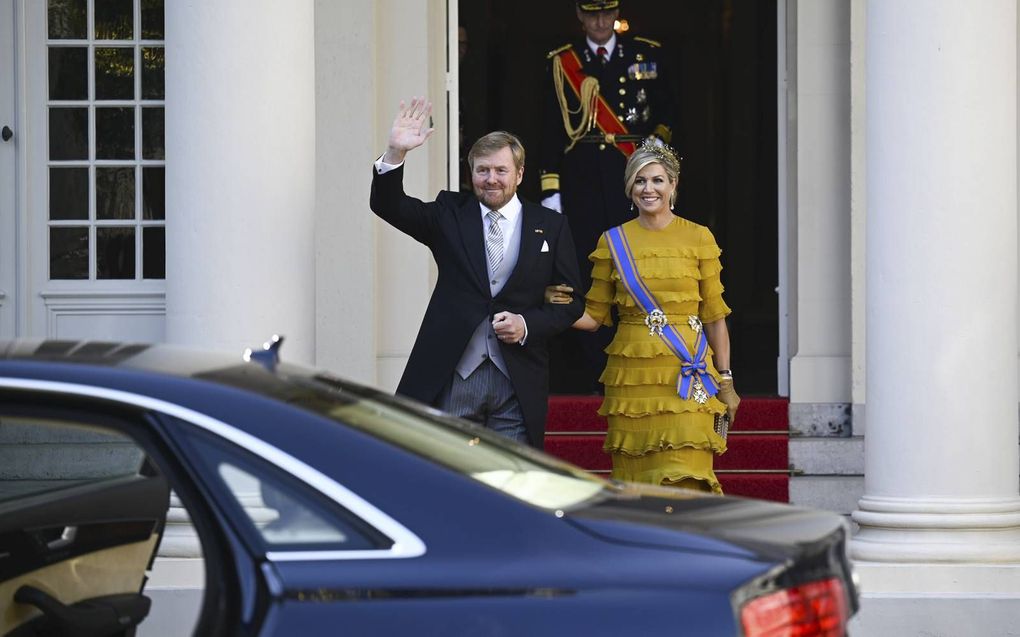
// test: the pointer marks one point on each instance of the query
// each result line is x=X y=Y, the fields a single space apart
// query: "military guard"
x=606 y=95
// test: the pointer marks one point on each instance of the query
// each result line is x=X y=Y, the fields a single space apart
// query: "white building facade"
x=237 y=207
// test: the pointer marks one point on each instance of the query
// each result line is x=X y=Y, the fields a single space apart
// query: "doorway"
x=724 y=56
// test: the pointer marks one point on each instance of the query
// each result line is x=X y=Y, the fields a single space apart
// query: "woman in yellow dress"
x=662 y=398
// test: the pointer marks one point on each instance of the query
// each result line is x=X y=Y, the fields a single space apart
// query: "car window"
x=480 y=454
x=41 y=456
x=83 y=512
x=279 y=517
x=283 y=512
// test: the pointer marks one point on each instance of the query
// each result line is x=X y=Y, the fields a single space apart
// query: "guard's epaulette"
x=556 y=52
x=647 y=41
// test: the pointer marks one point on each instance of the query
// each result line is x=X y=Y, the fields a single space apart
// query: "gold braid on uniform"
x=588 y=99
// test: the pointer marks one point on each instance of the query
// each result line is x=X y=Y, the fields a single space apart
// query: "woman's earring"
x=632 y=206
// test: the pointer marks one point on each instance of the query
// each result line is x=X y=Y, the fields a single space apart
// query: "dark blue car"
x=323 y=507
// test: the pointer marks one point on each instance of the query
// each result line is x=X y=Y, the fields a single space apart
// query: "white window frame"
x=121 y=309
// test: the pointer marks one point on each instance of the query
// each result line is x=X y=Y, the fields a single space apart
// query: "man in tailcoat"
x=482 y=349
x=607 y=93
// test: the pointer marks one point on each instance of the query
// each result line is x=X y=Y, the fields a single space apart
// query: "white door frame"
x=453 y=95
x=9 y=157
x=782 y=200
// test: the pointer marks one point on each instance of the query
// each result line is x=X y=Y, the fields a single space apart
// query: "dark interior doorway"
x=724 y=53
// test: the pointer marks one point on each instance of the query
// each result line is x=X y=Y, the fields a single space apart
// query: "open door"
x=723 y=58
x=82 y=511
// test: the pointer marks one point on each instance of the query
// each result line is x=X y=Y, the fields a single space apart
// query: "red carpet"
x=755 y=465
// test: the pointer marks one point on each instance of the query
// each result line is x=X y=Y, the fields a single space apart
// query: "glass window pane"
x=46 y=454
x=115 y=253
x=154 y=253
x=66 y=20
x=152 y=133
x=69 y=253
x=69 y=137
x=152 y=20
x=69 y=193
x=115 y=192
x=153 y=192
x=153 y=63
x=115 y=73
x=68 y=73
x=115 y=133
x=284 y=512
x=114 y=19
x=293 y=522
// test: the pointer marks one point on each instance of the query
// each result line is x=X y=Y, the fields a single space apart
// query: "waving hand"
x=411 y=127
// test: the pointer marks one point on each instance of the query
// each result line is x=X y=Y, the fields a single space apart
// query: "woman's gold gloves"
x=728 y=397
x=559 y=294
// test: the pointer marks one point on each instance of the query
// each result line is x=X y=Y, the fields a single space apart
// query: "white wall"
x=858 y=208
x=346 y=119
x=373 y=283
x=820 y=368
x=411 y=45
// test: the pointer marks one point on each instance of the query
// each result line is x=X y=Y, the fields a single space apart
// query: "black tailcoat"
x=451 y=227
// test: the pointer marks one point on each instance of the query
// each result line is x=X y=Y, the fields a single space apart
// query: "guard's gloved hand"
x=553 y=201
x=559 y=294
x=728 y=397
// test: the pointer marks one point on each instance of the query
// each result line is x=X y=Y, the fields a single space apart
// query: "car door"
x=82 y=511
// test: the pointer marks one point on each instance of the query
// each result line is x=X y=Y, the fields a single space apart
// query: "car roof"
x=111 y=364
x=146 y=356
x=146 y=367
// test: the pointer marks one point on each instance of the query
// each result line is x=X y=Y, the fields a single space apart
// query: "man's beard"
x=494 y=200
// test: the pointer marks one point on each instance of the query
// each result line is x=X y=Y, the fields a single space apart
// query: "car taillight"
x=817 y=609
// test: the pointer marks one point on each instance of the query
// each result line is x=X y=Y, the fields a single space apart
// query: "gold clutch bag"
x=722 y=425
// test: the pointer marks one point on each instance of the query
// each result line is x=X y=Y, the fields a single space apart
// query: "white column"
x=941 y=457
x=240 y=87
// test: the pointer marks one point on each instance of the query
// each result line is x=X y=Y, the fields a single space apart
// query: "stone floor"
x=937 y=616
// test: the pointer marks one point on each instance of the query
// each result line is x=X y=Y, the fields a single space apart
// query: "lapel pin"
x=539 y=231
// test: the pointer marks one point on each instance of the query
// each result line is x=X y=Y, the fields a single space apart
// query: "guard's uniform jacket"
x=583 y=158
x=586 y=168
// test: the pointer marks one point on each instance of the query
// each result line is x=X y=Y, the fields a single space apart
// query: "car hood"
x=678 y=519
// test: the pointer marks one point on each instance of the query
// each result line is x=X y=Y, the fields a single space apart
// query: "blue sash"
x=694 y=377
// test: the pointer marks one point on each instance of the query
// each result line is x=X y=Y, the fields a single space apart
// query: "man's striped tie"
x=494 y=241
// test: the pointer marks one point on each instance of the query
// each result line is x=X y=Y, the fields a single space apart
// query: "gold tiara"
x=663 y=151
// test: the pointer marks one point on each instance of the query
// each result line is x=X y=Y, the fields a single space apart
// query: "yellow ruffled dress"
x=654 y=435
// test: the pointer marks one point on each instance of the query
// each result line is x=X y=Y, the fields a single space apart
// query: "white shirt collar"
x=510 y=211
x=609 y=46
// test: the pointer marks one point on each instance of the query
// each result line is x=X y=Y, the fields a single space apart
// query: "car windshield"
x=514 y=469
